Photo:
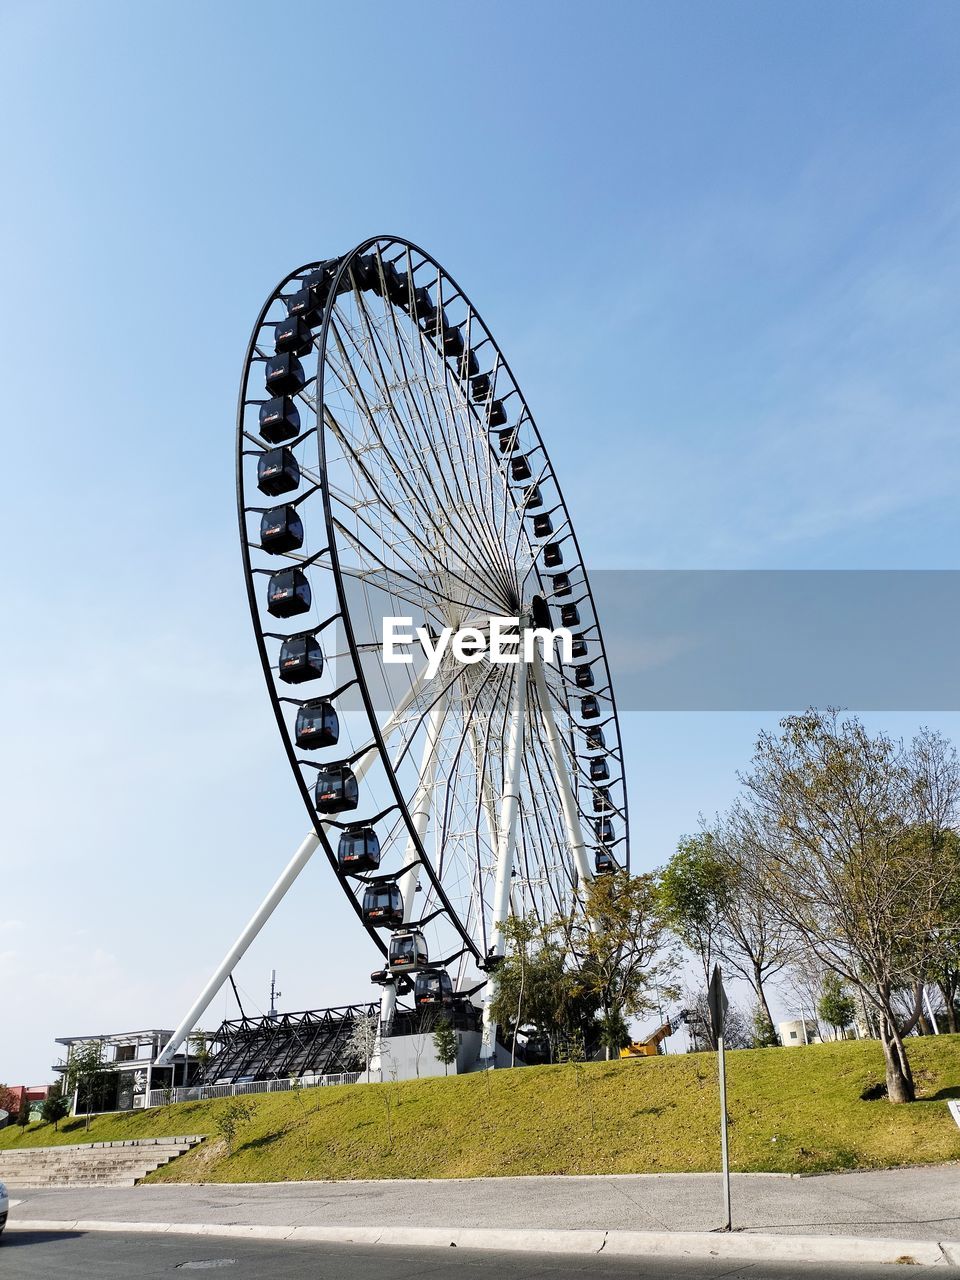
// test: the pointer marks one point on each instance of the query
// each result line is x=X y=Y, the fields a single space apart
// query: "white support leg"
x=388 y=1004
x=254 y=925
x=421 y=806
x=568 y=802
x=269 y=904
x=509 y=810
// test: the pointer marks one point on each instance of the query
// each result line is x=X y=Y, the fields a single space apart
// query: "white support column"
x=269 y=904
x=509 y=810
x=568 y=802
x=388 y=1004
x=421 y=806
x=254 y=925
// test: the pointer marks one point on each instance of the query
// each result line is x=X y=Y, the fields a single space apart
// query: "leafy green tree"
x=55 y=1108
x=23 y=1111
x=860 y=866
x=764 y=1033
x=84 y=1071
x=836 y=1006
x=235 y=1115
x=536 y=983
x=624 y=950
x=445 y=1043
x=695 y=889
x=199 y=1045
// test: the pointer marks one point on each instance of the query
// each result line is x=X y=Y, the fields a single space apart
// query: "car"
x=4 y=1207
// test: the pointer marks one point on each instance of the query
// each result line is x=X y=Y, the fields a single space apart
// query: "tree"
x=945 y=943
x=445 y=1043
x=835 y=1006
x=860 y=866
x=764 y=1032
x=23 y=1112
x=694 y=893
x=199 y=1046
x=623 y=947
x=361 y=1043
x=536 y=983
x=232 y=1118
x=55 y=1108
x=84 y=1069
x=736 y=1030
x=755 y=942
x=9 y=1101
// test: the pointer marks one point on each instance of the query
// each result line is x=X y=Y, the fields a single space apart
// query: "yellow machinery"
x=650 y=1047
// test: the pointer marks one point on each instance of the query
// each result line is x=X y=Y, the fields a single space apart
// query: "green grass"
x=792 y=1110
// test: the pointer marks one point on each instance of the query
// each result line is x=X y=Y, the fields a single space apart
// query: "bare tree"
x=362 y=1040
x=861 y=868
x=755 y=942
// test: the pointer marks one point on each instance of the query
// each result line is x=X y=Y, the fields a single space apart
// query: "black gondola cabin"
x=288 y=593
x=317 y=725
x=358 y=850
x=279 y=420
x=408 y=950
x=336 y=789
x=432 y=986
x=383 y=906
x=604 y=830
x=281 y=530
x=277 y=472
x=284 y=375
x=301 y=659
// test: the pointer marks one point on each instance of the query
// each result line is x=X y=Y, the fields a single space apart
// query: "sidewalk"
x=834 y=1215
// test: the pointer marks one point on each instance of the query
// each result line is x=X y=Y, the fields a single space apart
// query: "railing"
x=200 y=1092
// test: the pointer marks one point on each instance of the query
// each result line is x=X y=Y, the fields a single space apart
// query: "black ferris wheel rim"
x=381 y=244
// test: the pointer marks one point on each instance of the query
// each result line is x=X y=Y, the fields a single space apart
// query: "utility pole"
x=274 y=995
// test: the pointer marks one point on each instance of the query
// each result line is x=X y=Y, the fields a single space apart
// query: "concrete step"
x=120 y=1164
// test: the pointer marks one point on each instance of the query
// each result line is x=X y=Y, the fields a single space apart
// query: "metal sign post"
x=717 y=1000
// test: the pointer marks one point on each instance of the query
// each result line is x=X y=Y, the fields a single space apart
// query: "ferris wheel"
x=389 y=467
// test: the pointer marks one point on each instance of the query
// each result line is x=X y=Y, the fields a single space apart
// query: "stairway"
x=90 y=1164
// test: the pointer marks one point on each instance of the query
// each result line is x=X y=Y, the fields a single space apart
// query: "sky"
x=718 y=244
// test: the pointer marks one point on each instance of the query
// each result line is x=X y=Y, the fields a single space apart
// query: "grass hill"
x=792 y=1110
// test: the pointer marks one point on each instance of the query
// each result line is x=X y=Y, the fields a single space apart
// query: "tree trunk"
x=947 y=994
x=762 y=995
x=900 y=1086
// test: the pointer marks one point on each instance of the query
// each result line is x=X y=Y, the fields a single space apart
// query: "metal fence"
x=200 y=1092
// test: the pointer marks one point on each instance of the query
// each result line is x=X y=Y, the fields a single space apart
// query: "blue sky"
x=718 y=243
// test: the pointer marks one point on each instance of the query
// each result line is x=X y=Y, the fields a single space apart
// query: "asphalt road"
x=29 y=1255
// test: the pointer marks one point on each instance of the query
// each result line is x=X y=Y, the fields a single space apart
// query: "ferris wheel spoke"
x=439 y=419
x=429 y=553
x=457 y=748
x=471 y=425
x=413 y=447
x=381 y=383
x=459 y=553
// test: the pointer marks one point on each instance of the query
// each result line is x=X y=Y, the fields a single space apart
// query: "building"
x=35 y=1094
x=127 y=1072
x=797 y=1031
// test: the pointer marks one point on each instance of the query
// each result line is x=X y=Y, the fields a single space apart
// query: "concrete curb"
x=660 y=1244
